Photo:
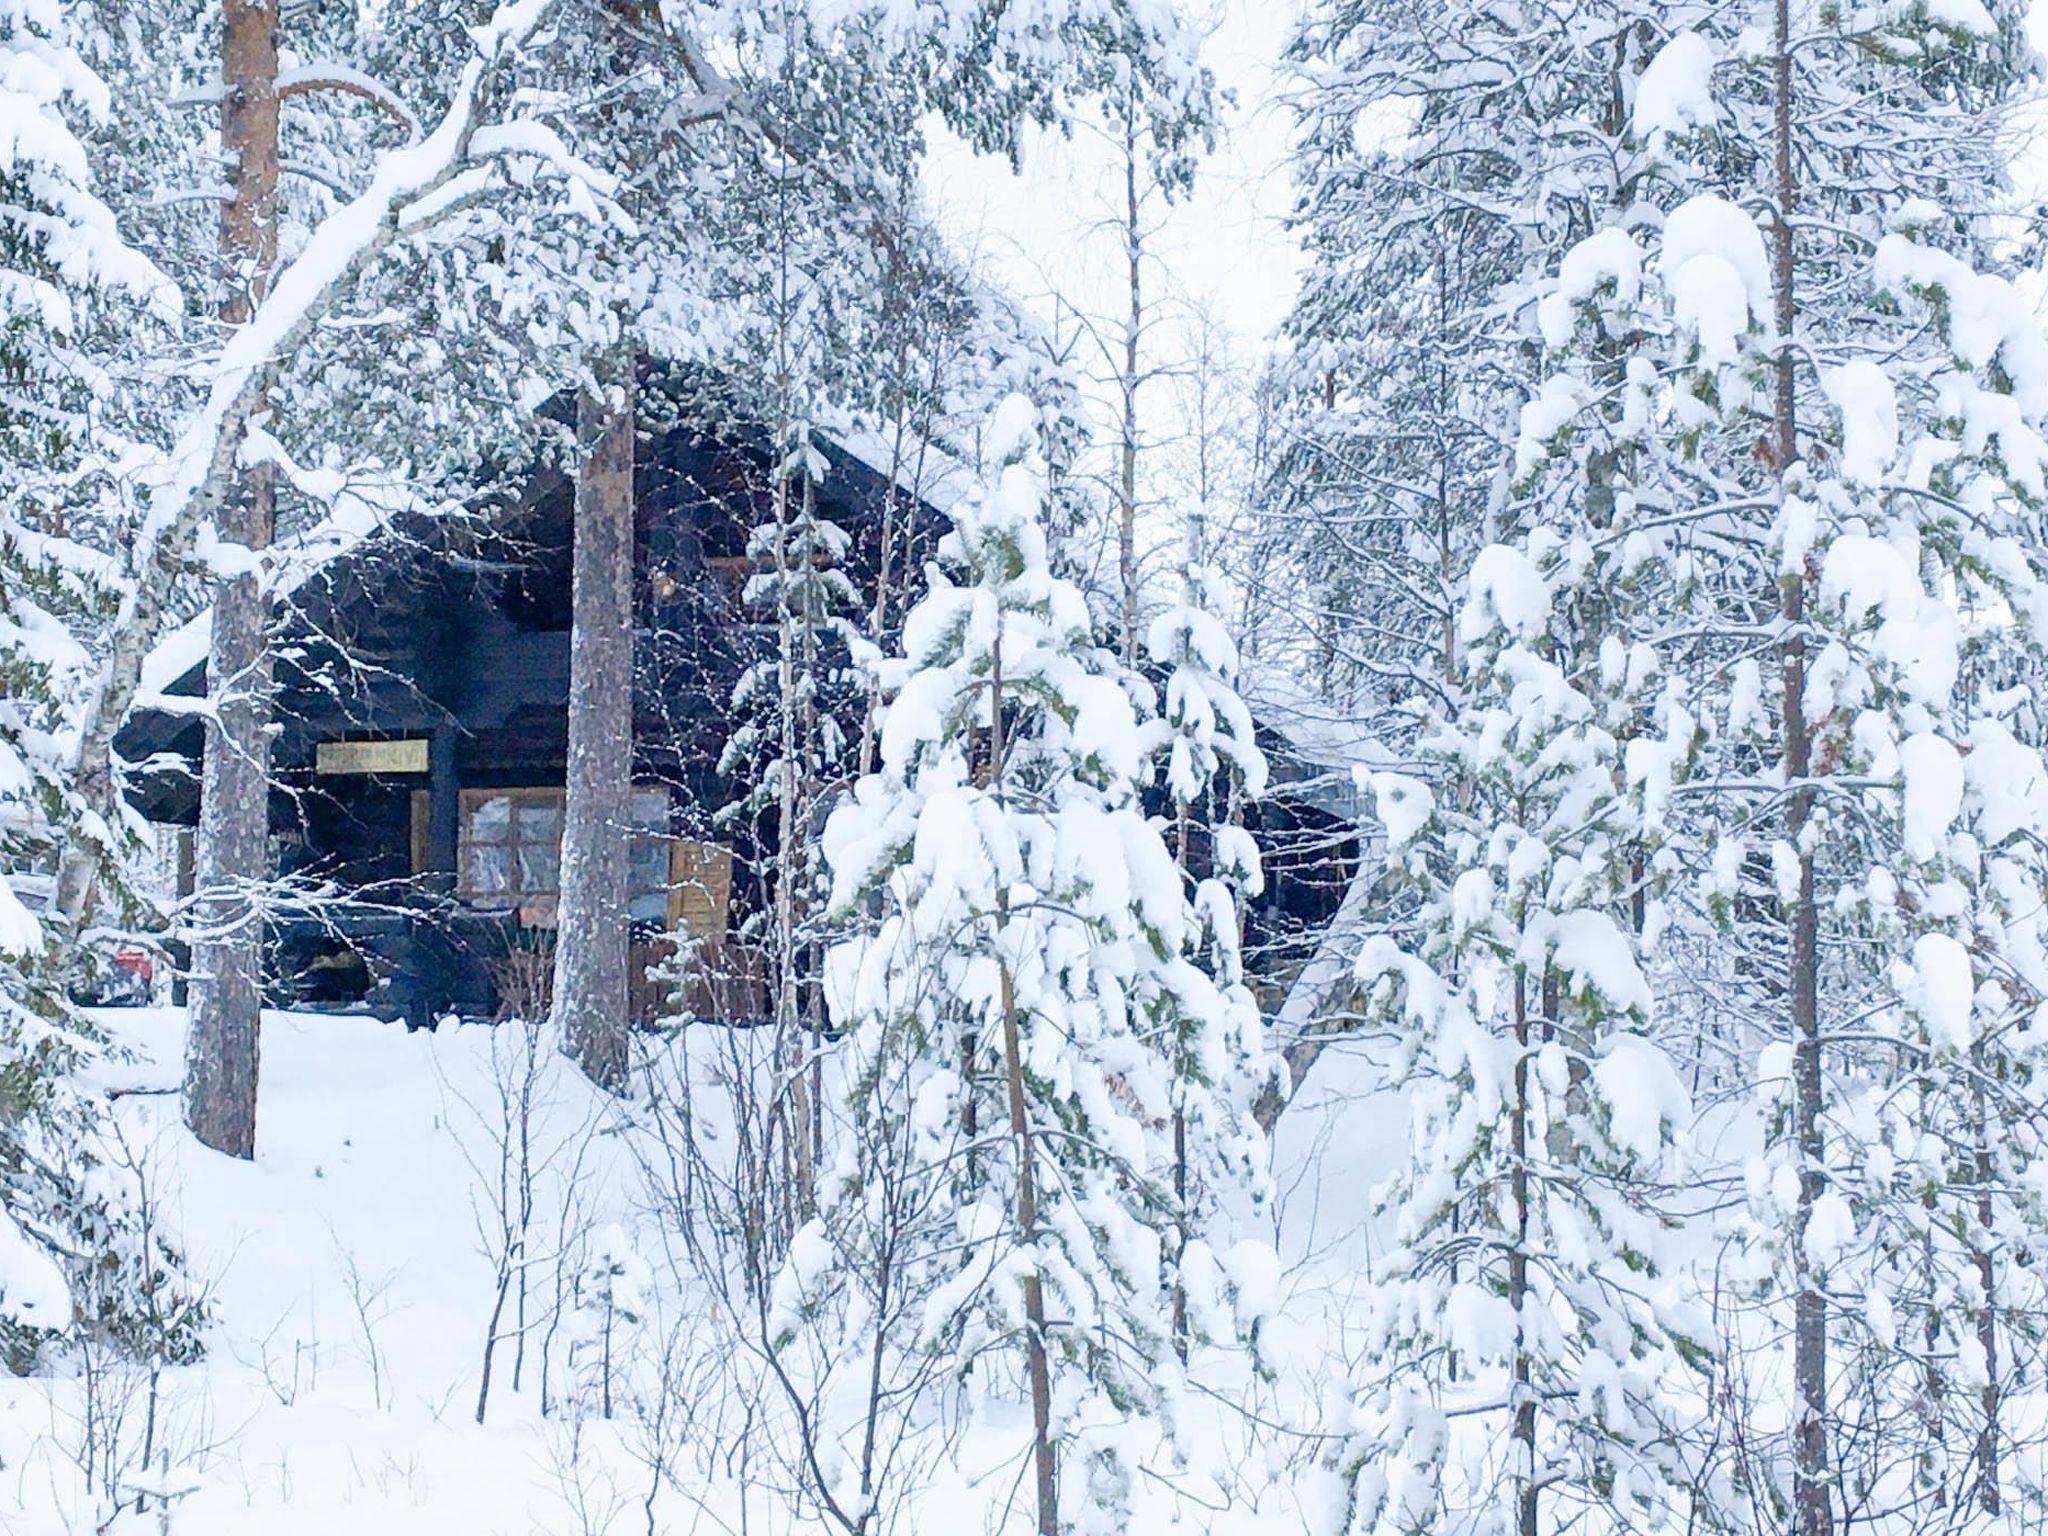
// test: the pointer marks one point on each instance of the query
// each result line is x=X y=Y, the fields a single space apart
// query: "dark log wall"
x=358 y=830
x=457 y=630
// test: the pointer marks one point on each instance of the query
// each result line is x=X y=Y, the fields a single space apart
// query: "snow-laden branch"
x=307 y=78
x=203 y=467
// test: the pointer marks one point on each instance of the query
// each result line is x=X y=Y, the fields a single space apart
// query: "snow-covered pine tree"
x=1832 y=416
x=1908 y=542
x=1447 y=156
x=1527 y=1360
x=809 y=220
x=1003 y=1069
x=1212 y=767
x=47 y=224
x=1522 y=1355
x=70 y=284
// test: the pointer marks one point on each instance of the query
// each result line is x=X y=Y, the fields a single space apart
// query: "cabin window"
x=650 y=854
x=511 y=851
x=511 y=848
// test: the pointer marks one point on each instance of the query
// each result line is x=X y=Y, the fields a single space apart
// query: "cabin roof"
x=173 y=672
x=181 y=655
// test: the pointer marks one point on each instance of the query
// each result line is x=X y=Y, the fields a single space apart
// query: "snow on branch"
x=203 y=467
x=327 y=76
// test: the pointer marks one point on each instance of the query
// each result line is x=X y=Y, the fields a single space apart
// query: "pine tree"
x=222 y=1046
x=592 y=955
x=70 y=1251
x=1213 y=768
x=1009 y=1012
x=1523 y=1359
x=1823 y=431
x=1446 y=156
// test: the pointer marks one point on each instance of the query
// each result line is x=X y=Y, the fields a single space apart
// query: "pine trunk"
x=592 y=951
x=1989 y=1498
x=794 y=667
x=1037 y=1365
x=1127 y=467
x=221 y=1051
x=1180 y=1139
x=1522 y=1393
x=1812 y=1509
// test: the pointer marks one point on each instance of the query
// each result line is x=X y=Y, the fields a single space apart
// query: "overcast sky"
x=1038 y=231
x=1035 y=231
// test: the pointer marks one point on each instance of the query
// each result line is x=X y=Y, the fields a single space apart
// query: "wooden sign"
x=408 y=756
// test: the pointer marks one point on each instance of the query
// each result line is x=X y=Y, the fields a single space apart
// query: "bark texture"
x=222 y=1048
x=1521 y=1391
x=1127 y=448
x=592 y=938
x=1812 y=1505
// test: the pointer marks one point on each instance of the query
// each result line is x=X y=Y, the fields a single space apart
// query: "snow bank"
x=351 y=1295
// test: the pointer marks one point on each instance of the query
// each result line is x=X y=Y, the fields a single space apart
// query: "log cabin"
x=422 y=672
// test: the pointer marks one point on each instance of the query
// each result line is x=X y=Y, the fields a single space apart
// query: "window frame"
x=516 y=795
x=468 y=799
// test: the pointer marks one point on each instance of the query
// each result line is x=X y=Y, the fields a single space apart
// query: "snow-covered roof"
x=292 y=562
x=932 y=476
x=1335 y=752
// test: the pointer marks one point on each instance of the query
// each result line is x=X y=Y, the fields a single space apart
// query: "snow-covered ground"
x=351 y=1285
x=308 y=1402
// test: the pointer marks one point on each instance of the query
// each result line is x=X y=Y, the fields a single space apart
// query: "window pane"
x=540 y=821
x=650 y=810
x=489 y=819
x=650 y=865
x=648 y=907
x=490 y=870
x=540 y=868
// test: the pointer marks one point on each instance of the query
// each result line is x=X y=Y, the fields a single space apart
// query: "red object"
x=137 y=963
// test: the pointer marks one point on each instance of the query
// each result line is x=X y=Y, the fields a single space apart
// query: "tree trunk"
x=1521 y=1392
x=221 y=1050
x=1988 y=1496
x=1812 y=1507
x=1180 y=1137
x=592 y=934
x=794 y=667
x=1134 y=321
x=1037 y=1366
